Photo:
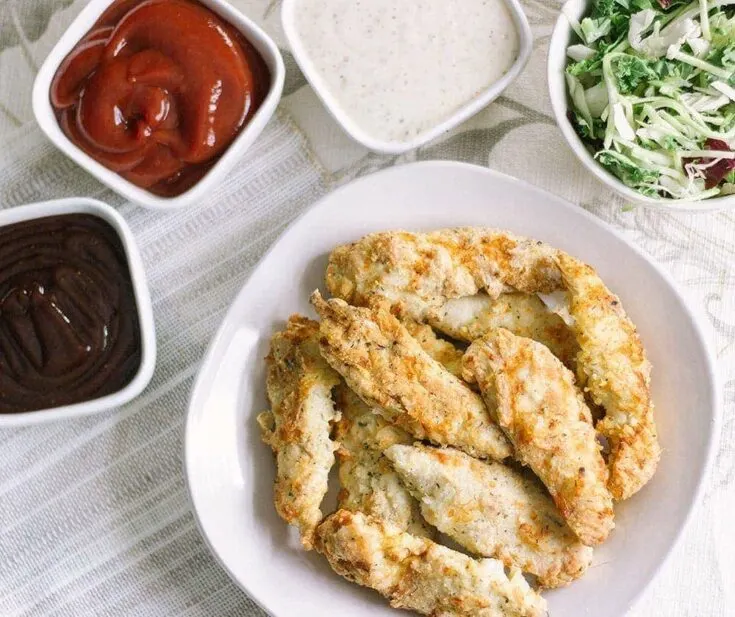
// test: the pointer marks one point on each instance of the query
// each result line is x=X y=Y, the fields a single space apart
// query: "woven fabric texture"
x=94 y=518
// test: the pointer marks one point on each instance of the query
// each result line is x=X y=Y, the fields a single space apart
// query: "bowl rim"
x=46 y=118
x=94 y=207
x=466 y=111
x=559 y=40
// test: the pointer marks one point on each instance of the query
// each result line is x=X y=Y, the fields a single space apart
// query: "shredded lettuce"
x=596 y=99
x=590 y=67
x=576 y=91
x=581 y=52
x=632 y=73
x=722 y=30
x=631 y=173
x=593 y=29
x=652 y=88
x=640 y=23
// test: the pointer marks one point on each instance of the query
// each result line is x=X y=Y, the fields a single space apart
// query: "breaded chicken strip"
x=420 y=575
x=492 y=510
x=389 y=370
x=617 y=373
x=548 y=422
x=297 y=428
x=420 y=271
x=444 y=352
x=470 y=317
x=369 y=482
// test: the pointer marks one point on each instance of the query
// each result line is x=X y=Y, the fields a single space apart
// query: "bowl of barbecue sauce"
x=76 y=325
x=158 y=98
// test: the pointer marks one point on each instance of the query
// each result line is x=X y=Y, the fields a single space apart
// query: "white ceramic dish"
x=230 y=472
x=482 y=100
x=46 y=119
x=81 y=205
x=561 y=38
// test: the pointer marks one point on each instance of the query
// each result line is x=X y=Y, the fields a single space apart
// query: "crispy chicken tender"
x=389 y=370
x=369 y=482
x=549 y=424
x=444 y=352
x=420 y=271
x=492 y=510
x=299 y=384
x=420 y=575
x=617 y=375
x=470 y=317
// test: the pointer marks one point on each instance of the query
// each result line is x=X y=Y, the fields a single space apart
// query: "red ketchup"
x=157 y=90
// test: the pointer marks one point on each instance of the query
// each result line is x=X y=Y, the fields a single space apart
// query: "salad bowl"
x=563 y=36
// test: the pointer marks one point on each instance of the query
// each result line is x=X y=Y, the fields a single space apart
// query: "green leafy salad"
x=652 y=90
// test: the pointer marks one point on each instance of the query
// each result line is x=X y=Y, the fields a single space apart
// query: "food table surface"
x=95 y=517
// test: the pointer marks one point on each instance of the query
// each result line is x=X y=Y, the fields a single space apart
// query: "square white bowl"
x=83 y=205
x=469 y=109
x=561 y=38
x=46 y=118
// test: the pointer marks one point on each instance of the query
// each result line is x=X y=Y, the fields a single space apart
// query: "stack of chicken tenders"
x=475 y=386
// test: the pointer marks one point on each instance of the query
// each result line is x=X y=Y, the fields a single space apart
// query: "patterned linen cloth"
x=94 y=518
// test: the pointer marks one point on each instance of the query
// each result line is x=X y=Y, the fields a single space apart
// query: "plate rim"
x=693 y=312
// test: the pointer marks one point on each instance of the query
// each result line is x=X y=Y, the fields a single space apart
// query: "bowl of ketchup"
x=158 y=98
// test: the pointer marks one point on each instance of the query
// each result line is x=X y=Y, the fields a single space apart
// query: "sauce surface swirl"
x=157 y=90
x=69 y=328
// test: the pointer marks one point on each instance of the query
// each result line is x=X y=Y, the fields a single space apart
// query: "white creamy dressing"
x=397 y=68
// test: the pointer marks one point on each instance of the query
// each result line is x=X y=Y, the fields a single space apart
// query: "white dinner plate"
x=230 y=472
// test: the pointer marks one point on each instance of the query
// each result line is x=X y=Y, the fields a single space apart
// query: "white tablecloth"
x=94 y=518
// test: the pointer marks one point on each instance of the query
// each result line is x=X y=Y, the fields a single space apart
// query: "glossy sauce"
x=157 y=90
x=69 y=328
x=397 y=69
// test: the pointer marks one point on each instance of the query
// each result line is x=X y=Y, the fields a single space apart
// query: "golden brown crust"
x=368 y=482
x=492 y=510
x=470 y=317
x=550 y=426
x=444 y=352
x=420 y=575
x=387 y=368
x=297 y=428
x=617 y=375
x=419 y=271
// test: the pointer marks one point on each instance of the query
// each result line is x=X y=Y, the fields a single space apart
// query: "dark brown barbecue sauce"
x=69 y=328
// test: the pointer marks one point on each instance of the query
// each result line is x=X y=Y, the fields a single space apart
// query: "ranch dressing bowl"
x=395 y=75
